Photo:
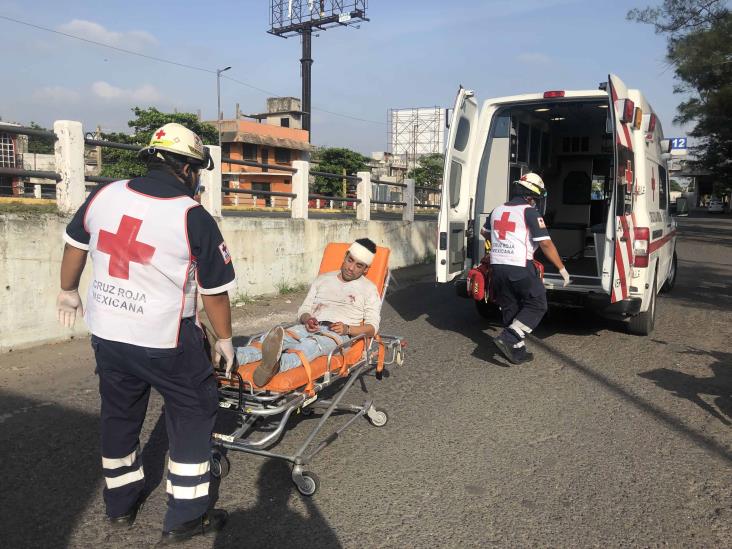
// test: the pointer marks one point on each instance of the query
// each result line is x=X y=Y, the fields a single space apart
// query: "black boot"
x=506 y=349
x=522 y=355
x=211 y=521
x=128 y=519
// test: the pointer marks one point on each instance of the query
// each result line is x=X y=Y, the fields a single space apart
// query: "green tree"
x=40 y=145
x=336 y=160
x=700 y=49
x=675 y=185
x=429 y=170
x=123 y=164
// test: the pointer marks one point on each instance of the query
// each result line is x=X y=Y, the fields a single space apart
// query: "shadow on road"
x=49 y=455
x=692 y=388
x=271 y=522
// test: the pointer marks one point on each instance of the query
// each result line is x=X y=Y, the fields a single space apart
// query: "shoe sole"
x=271 y=351
x=174 y=539
x=506 y=351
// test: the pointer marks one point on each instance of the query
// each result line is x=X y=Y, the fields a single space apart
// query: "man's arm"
x=540 y=235
x=303 y=313
x=551 y=253
x=72 y=265
x=218 y=311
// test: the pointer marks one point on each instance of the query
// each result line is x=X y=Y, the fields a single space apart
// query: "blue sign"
x=678 y=143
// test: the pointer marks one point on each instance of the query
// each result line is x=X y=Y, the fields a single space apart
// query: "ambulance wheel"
x=307 y=483
x=671 y=280
x=220 y=465
x=643 y=323
x=489 y=311
x=377 y=418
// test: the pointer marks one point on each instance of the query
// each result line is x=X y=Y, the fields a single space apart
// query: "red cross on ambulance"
x=124 y=248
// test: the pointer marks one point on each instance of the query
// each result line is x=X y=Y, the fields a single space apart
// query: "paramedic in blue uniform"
x=516 y=229
x=153 y=249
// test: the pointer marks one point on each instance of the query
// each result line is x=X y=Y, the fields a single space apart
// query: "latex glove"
x=565 y=276
x=224 y=349
x=68 y=304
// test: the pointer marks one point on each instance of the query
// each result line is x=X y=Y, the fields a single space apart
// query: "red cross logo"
x=123 y=247
x=160 y=134
x=653 y=186
x=629 y=175
x=504 y=226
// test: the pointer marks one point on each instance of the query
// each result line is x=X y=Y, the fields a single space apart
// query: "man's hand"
x=312 y=325
x=68 y=303
x=339 y=328
x=565 y=276
x=224 y=348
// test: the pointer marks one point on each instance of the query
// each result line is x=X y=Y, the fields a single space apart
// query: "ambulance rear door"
x=455 y=204
x=617 y=269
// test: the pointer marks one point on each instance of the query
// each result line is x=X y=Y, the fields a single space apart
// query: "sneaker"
x=522 y=355
x=211 y=521
x=271 y=351
x=506 y=350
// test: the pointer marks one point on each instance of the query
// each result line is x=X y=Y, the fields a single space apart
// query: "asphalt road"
x=606 y=439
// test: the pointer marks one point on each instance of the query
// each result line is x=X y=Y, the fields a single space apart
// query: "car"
x=715 y=206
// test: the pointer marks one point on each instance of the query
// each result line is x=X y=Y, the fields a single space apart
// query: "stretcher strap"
x=308 y=370
x=293 y=335
x=381 y=354
x=337 y=341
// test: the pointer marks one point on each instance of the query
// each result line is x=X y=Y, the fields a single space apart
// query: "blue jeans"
x=311 y=345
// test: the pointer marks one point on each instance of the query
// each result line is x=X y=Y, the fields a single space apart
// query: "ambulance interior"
x=570 y=144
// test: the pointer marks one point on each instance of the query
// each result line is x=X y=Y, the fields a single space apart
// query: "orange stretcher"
x=262 y=413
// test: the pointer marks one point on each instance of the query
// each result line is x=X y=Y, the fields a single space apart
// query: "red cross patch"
x=225 y=253
x=160 y=134
x=124 y=248
x=504 y=226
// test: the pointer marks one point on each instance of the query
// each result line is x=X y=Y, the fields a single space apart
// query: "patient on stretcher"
x=339 y=305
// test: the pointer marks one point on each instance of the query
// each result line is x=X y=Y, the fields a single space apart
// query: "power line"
x=176 y=63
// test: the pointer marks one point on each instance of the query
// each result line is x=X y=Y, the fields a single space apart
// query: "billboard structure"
x=299 y=17
x=412 y=133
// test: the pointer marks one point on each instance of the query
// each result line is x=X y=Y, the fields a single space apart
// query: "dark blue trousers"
x=521 y=296
x=184 y=378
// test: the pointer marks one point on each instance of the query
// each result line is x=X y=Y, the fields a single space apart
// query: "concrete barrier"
x=269 y=254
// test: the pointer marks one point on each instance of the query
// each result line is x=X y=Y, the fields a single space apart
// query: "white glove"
x=68 y=303
x=565 y=276
x=224 y=348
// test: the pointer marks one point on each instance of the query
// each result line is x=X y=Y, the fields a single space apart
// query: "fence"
x=71 y=182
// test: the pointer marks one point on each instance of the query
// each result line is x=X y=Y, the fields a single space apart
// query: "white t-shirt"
x=330 y=299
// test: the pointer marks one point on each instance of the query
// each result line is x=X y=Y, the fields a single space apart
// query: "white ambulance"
x=602 y=156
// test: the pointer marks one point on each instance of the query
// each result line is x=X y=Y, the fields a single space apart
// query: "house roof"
x=260 y=139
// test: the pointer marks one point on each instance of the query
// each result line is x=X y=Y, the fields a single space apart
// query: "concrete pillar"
x=69 y=151
x=408 y=197
x=363 y=193
x=300 y=187
x=211 y=197
x=37 y=191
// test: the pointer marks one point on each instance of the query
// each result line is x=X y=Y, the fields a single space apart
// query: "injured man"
x=339 y=306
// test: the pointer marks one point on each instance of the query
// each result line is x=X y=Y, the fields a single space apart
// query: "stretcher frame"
x=255 y=406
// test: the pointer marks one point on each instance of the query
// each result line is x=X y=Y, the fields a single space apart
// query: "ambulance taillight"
x=641 y=246
x=553 y=94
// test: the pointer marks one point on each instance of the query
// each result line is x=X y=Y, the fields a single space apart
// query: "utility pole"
x=218 y=100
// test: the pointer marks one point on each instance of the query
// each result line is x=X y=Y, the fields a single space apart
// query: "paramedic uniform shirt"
x=332 y=300
x=516 y=228
x=196 y=255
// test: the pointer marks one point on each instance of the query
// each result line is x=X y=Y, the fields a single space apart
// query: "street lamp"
x=218 y=98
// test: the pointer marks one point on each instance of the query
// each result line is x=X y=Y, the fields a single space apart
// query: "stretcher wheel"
x=307 y=483
x=377 y=418
x=220 y=464
x=307 y=411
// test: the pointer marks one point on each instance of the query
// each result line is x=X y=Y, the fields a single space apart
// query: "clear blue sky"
x=411 y=54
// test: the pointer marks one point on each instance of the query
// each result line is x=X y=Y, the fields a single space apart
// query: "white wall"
x=267 y=253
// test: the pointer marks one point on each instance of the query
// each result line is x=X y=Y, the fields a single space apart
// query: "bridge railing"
x=72 y=183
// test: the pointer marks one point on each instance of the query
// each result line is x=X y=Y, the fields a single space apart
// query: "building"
x=10 y=157
x=276 y=139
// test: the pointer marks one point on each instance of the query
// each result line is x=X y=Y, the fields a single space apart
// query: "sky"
x=410 y=54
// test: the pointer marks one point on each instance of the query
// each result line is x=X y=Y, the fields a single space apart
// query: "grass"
x=25 y=206
x=284 y=288
x=429 y=258
x=241 y=299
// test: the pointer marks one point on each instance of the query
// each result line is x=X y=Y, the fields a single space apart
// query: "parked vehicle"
x=715 y=206
x=601 y=155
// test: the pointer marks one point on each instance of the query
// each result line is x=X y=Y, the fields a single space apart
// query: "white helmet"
x=534 y=183
x=176 y=138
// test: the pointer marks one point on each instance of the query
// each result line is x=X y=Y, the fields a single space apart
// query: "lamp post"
x=218 y=100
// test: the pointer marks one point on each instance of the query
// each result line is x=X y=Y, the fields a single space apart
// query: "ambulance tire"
x=489 y=311
x=643 y=323
x=671 y=280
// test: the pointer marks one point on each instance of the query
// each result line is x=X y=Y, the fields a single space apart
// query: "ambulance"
x=602 y=156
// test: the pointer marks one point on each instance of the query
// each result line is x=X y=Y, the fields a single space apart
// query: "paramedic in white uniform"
x=153 y=248
x=340 y=305
x=516 y=229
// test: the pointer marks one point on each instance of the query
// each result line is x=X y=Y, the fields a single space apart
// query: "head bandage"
x=361 y=253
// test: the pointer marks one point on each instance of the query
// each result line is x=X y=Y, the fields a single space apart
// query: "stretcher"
x=262 y=413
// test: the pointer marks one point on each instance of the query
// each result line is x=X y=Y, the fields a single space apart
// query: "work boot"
x=211 y=521
x=128 y=519
x=506 y=349
x=522 y=355
x=271 y=352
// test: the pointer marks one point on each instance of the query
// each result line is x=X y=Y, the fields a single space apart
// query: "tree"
x=675 y=186
x=700 y=49
x=123 y=164
x=40 y=145
x=429 y=170
x=336 y=160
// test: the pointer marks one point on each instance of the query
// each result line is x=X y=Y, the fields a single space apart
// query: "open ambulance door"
x=455 y=202
x=617 y=267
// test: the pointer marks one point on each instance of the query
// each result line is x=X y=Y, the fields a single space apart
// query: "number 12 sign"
x=678 y=143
